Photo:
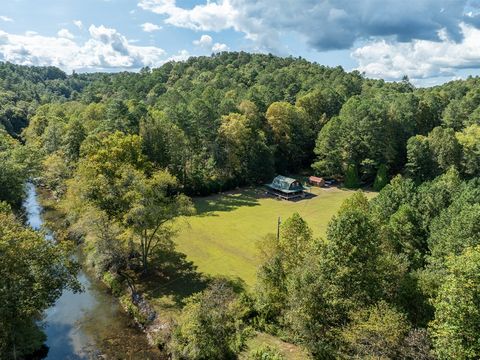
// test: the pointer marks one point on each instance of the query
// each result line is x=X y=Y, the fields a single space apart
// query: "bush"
x=113 y=283
x=212 y=325
x=375 y=333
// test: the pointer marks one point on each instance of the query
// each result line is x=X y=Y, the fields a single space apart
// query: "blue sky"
x=431 y=41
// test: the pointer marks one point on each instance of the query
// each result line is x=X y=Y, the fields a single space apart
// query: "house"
x=286 y=188
x=316 y=181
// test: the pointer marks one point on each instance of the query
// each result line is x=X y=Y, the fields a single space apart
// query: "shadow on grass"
x=175 y=277
x=228 y=201
x=276 y=196
x=307 y=196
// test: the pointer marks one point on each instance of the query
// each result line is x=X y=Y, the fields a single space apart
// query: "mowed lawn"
x=222 y=238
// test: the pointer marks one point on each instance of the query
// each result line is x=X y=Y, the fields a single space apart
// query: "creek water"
x=89 y=324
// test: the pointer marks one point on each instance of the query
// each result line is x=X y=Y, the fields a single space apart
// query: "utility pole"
x=278 y=227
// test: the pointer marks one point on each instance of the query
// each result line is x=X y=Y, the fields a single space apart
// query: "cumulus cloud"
x=78 y=23
x=218 y=47
x=64 y=33
x=210 y=16
x=326 y=25
x=182 y=55
x=420 y=58
x=149 y=27
x=204 y=41
x=105 y=49
x=6 y=18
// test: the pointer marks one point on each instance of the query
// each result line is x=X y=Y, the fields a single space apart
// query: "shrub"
x=211 y=325
x=113 y=283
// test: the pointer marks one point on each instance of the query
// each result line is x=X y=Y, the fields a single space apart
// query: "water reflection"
x=89 y=324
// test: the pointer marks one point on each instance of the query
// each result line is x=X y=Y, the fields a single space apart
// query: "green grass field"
x=221 y=239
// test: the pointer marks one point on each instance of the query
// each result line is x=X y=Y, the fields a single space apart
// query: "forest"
x=122 y=155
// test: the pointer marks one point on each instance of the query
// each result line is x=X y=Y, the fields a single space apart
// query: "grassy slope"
x=222 y=237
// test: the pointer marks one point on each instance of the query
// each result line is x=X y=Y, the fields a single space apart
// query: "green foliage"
x=17 y=164
x=420 y=165
x=351 y=177
x=469 y=139
x=118 y=200
x=357 y=201
x=247 y=156
x=292 y=134
x=55 y=173
x=371 y=129
x=23 y=88
x=113 y=282
x=458 y=112
x=211 y=325
x=328 y=153
x=265 y=352
x=452 y=230
x=33 y=274
x=133 y=310
x=281 y=256
x=109 y=166
x=164 y=143
x=320 y=106
x=153 y=203
x=72 y=141
x=456 y=327
x=445 y=148
x=381 y=180
x=375 y=333
x=344 y=276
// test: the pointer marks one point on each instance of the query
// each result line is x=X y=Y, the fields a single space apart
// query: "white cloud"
x=78 y=23
x=326 y=24
x=6 y=18
x=420 y=59
x=182 y=55
x=64 y=33
x=217 y=47
x=210 y=16
x=105 y=49
x=149 y=27
x=204 y=41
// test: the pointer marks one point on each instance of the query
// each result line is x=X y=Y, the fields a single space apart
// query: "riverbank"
x=90 y=324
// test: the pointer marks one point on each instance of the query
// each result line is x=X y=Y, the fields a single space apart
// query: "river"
x=90 y=324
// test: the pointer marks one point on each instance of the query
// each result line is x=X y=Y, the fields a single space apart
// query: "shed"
x=316 y=181
x=285 y=187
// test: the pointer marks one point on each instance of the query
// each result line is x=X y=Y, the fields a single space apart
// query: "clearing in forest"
x=221 y=239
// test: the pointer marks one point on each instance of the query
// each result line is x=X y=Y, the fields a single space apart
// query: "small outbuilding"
x=286 y=188
x=316 y=181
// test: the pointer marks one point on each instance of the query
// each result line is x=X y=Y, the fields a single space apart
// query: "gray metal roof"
x=285 y=184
